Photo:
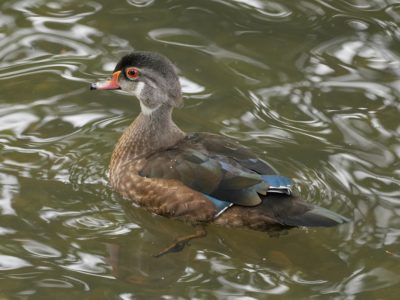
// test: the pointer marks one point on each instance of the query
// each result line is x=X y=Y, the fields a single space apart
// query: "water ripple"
x=312 y=86
x=11 y=263
x=141 y=3
x=271 y=11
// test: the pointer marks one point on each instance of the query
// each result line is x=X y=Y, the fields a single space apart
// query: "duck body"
x=196 y=177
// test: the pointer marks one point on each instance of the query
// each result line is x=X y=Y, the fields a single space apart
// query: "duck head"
x=150 y=77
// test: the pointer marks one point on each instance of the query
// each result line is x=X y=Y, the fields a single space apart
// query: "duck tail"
x=315 y=217
x=294 y=212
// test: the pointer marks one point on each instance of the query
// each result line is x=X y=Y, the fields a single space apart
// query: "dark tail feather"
x=292 y=211
x=316 y=217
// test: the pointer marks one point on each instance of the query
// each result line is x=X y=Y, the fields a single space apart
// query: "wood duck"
x=195 y=177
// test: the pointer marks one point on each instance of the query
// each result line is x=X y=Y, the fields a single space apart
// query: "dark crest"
x=149 y=60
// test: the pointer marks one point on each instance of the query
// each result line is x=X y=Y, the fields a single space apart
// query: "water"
x=312 y=86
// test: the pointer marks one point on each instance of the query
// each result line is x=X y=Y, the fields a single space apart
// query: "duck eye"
x=132 y=73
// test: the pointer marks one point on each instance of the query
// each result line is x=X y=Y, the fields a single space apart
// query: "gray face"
x=149 y=87
x=155 y=82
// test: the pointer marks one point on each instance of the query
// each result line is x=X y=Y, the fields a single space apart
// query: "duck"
x=198 y=177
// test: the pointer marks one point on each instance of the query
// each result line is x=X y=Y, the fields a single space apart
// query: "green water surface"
x=312 y=86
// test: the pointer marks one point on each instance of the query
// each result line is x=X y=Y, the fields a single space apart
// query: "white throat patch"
x=139 y=88
x=147 y=110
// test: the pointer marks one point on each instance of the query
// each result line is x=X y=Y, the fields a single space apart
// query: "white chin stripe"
x=147 y=110
x=139 y=88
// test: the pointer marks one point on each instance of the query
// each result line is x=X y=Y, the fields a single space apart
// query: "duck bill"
x=111 y=84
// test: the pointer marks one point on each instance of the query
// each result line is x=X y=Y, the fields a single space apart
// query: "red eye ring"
x=132 y=73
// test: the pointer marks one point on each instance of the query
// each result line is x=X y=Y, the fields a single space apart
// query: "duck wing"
x=213 y=165
x=221 y=145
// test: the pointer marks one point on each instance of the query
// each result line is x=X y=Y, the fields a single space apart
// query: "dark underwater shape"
x=196 y=177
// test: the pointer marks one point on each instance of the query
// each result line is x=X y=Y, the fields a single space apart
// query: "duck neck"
x=149 y=132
